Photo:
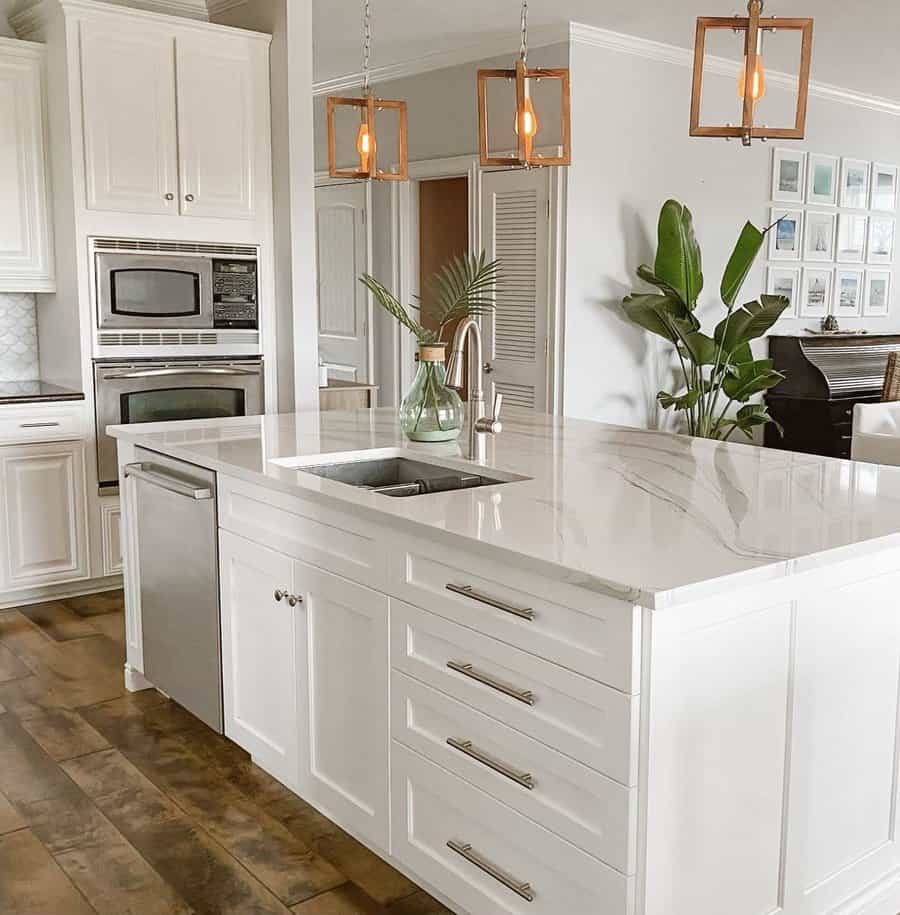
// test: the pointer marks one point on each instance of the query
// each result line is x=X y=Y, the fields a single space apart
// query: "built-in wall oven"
x=147 y=390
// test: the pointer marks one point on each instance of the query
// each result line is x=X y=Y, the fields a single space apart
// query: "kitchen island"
x=642 y=674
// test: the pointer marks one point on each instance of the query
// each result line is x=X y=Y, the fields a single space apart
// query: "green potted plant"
x=717 y=370
x=432 y=411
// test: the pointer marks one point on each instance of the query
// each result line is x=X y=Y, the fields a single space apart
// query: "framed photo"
x=785 y=281
x=815 y=294
x=818 y=237
x=877 y=294
x=882 y=230
x=848 y=292
x=855 y=184
x=788 y=174
x=785 y=239
x=884 y=187
x=822 y=179
x=853 y=230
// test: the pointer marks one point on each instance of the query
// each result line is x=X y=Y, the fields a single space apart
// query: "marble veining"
x=648 y=516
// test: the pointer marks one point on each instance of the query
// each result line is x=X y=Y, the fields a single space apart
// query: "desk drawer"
x=593 y=634
x=584 y=719
x=41 y=423
x=486 y=857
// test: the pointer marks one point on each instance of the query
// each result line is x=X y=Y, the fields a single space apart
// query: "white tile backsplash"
x=18 y=337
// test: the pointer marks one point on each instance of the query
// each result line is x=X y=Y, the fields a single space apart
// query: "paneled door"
x=342 y=663
x=128 y=95
x=515 y=229
x=218 y=123
x=342 y=254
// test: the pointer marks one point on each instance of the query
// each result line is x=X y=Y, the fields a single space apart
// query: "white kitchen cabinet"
x=343 y=667
x=26 y=248
x=258 y=655
x=44 y=531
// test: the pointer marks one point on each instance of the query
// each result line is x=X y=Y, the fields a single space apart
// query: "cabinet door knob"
x=189 y=198
x=279 y=594
x=293 y=600
x=169 y=196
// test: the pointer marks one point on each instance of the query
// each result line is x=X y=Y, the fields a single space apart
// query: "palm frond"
x=463 y=286
x=392 y=306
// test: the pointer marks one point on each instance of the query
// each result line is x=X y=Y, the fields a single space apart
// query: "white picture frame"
x=883 y=190
x=882 y=239
x=823 y=175
x=849 y=288
x=877 y=293
x=852 y=238
x=815 y=292
x=788 y=175
x=855 y=175
x=819 y=234
x=786 y=238
x=785 y=281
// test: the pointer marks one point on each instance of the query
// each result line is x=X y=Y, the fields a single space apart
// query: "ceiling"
x=855 y=42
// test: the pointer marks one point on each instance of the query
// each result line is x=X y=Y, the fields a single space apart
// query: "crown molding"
x=506 y=44
x=595 y=37
x=29 y=15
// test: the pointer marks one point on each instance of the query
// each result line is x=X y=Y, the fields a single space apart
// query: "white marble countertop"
x=652 y=517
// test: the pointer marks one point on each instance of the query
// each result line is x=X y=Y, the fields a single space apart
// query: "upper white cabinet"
x=173 y=118
x=26 y=250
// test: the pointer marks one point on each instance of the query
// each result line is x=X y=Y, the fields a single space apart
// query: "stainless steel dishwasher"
x=175 y=507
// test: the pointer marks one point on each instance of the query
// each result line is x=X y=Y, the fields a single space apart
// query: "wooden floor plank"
x=10 y=820
x=63 y=733
x=11 y=668
x=97 y=604
x=348 y=899
x=58 y=622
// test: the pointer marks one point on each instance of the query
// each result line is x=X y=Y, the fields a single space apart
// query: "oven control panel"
x=235 y=294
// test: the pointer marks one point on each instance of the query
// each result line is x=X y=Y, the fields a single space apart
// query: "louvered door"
x=515 y=228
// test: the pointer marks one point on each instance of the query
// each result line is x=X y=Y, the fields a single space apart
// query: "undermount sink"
x=397 y=476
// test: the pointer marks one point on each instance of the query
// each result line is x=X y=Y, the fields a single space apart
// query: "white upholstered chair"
x=876 y=433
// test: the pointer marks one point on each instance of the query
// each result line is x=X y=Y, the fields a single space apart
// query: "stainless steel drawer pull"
x=525 y=613
x=46 y=425
x=524 y=779
x=517 y=886
x=467 y=670
x=147 y=473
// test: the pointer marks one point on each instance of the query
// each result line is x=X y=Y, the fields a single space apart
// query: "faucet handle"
x=492 y=424
x=498 y=404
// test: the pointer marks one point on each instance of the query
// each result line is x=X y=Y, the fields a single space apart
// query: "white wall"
x=631 y=151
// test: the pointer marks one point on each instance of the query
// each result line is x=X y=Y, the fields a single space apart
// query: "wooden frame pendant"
x=753 y=26
x=526 y=122
x=367 y=138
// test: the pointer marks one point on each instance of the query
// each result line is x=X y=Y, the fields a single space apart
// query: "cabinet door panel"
x=44 y=525
x=128 y=91
x=344 y=669
x=217 y=125
x=258 y=666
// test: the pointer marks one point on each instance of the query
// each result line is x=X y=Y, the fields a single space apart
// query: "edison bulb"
x=758 y=86
x=528 y=118
x=365 y=144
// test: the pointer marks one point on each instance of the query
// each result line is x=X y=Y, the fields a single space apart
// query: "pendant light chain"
x=523 y=48
x=367 y=44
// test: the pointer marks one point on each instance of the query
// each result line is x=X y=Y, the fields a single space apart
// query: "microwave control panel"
x=235 y=303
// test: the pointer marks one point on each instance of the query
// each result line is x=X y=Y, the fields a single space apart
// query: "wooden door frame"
x=323 y=180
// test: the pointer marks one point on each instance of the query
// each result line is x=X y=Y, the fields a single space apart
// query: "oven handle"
x=156 y=373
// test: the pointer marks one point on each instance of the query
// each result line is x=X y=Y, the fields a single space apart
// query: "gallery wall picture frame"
x=822 y=177
x=819 y=236
x=882 y=239
x=848 y=292
x=855 y=175
x=877 y=293
x=786 y=238
x=788 y=175
x=884 y=187
x=815 y=292
x=785 y=281
x=853 y=235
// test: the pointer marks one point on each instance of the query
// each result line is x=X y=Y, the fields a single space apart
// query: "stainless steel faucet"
x=480 y=425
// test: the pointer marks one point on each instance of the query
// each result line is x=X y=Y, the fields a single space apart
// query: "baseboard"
x=879 y=898
x=11 y=599
x=135 y=681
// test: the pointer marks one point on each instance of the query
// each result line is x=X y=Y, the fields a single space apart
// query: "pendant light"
x=751 y=84
x=366 y=137
x=526 y=121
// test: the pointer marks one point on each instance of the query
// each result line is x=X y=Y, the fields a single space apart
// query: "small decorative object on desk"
x=432 y=411
x=830 y=325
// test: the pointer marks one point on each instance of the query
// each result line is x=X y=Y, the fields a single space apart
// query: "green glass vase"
x=431 y=411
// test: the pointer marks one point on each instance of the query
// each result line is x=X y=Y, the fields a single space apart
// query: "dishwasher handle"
x=164 y=481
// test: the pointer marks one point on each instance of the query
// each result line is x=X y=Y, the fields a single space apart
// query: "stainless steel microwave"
x=137 y=290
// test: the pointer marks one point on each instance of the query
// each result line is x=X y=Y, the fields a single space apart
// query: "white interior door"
x=515 y=221
x=342 y=254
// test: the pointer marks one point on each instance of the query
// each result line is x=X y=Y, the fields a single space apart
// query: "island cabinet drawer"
x=303 y=529
x=590 y=810
x=593 y=634
x=41 y=423
x=584 y=719
x=488 y=858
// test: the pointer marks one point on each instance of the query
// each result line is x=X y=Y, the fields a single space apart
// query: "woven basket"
x=891 y=390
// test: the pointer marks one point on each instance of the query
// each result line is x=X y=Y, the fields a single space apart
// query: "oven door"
x=153 y=291
x=160 y=392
